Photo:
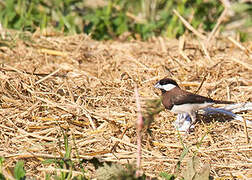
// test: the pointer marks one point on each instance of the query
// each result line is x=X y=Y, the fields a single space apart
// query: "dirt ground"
x=85 y=88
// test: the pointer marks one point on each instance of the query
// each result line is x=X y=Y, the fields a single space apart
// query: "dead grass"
x=88 y=90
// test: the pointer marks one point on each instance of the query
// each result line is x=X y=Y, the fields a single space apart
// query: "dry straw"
x=87 y=88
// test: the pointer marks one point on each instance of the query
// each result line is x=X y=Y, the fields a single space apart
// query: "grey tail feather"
x=223 y=102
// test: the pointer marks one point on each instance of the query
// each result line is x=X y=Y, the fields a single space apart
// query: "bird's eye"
x=161 y=82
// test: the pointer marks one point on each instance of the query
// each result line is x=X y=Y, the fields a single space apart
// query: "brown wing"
x=189 y=98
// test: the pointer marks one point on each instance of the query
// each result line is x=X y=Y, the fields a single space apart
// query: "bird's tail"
x=223 y=102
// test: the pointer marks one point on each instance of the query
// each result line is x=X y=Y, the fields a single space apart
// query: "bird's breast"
x=167 y=104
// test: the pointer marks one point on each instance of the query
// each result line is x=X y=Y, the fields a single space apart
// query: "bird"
x=179 y=101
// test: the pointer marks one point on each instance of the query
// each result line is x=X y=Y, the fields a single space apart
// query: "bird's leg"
x=193 y=118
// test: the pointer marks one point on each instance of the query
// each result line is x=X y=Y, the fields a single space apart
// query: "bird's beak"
x=157 y=85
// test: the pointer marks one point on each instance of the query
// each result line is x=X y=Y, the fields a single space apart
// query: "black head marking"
x=168 y=81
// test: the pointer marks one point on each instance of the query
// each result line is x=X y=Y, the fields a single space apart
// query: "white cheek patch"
x=167 y=87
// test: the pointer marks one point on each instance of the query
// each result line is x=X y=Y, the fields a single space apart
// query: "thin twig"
x=246 y=130
x=206 y=52
x=246 y=51
x=48 y=76
x=188 y=25
x=181 y=48
x=130 y=15
x=2 y=32
x=12 y=69
x=53 y=52
x=246 y=65
x=162 y=44
x=203 y=80
x=121 y=136
x=213 y=32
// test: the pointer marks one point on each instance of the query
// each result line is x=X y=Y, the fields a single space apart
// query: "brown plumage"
x=181 y=101
x=177 y=96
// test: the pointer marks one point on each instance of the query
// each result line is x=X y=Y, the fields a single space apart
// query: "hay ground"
x=89 y=93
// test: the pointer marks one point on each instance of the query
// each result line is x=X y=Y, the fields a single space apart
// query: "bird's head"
x=166 y=84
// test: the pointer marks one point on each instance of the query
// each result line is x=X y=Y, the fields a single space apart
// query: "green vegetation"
x=66 y=163
x=142 y=18
x=1 y=167
x=29 y=15
x=156 y=21
x=19 y=172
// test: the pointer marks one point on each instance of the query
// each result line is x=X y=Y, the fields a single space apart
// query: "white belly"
x=183 y=108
